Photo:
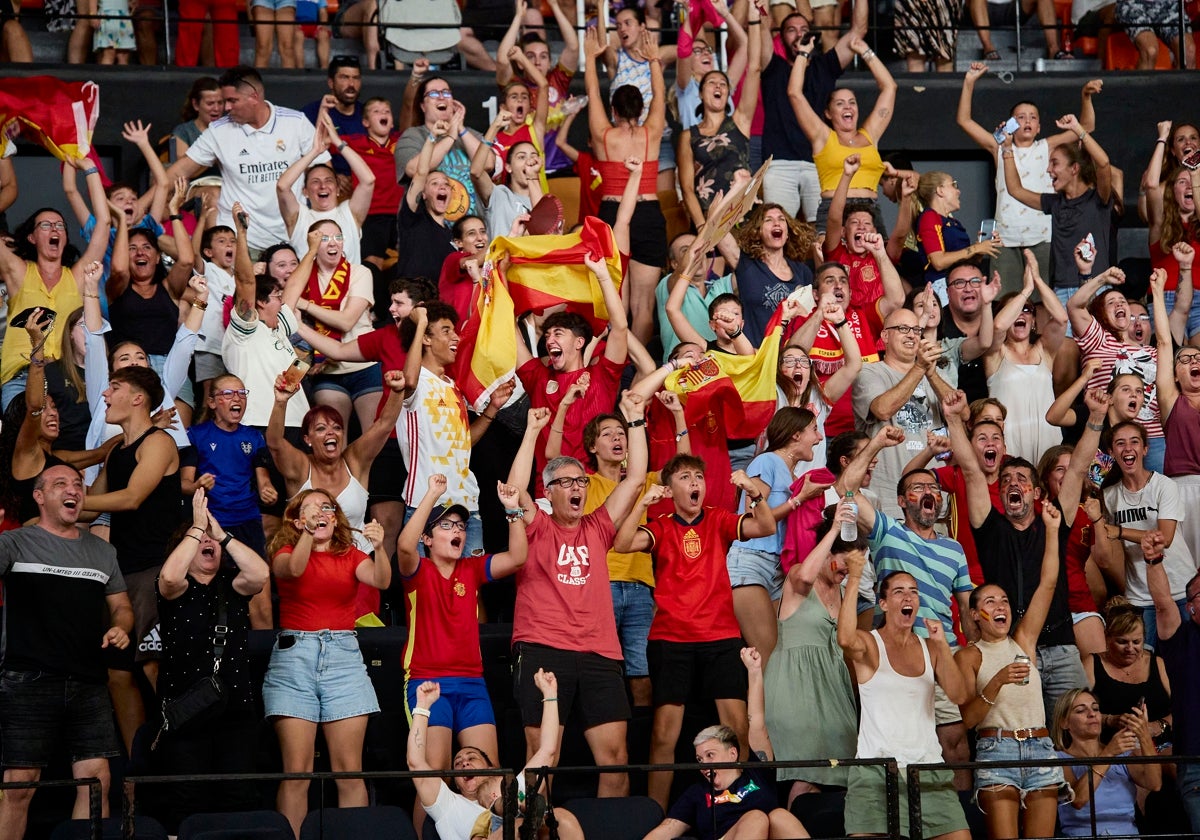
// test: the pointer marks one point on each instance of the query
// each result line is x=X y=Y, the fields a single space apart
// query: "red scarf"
x=332 y=297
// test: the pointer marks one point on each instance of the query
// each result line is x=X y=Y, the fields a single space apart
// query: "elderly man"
x=254 y=143
x=52 y=688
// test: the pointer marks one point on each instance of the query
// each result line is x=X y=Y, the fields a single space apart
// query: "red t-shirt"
x=443 y=622
x=590 y=181
x=1079 y=549
x=563 y=597
x=455 y=285
x=828 y=358
x=384 y=346
x=546 y=388
x=866 y=283
x=380 y=158
x=954 y=485
x=692 y=589
x=1166 y=261
x=324 y=597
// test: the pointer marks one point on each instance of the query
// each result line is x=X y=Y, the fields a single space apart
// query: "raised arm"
x=156 y=199
x=521 y=470
x=756 y=703
x=376 y=570
x=1012 y=178
x=851 y=479
x=364 y=190
x=854 y=643
x=620 y=501
x=1166 y=613
x=1152 y=185
x=291 y=461
x=568 y=59
x=185 y=257
x=1104 y=173
x=979 y=502
x=1034 y=620
x=504 y=69
x=547 y=752
x=508 y=562
x=598 y=123
x=481 y=175
x=98 y=245
x=982 y=137
x=245 y=292
x=428 y=787
x=881 y=115
x=837 y=205
x=289 y=205
x=541 y=92
x=1077 y=304
x=813 y=126
x=843 y=378
x=1069 y=494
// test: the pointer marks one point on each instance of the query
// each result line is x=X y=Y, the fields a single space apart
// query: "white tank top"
x=353 y=502
x=897 y=713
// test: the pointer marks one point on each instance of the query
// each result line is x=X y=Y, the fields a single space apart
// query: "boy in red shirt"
x=695 y=643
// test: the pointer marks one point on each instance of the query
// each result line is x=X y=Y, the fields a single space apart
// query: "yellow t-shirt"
x=64 y=299
x=831 y=157
x=636 y=566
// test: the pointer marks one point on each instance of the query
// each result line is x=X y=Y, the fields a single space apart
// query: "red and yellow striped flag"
x=529 y=273
x=60 y=116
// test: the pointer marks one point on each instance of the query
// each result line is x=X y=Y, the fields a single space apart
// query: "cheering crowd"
x=917 y=494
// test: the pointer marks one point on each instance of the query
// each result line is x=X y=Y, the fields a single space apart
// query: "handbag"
x=207 y=697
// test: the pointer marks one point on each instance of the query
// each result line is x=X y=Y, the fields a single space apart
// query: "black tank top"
x=141 y=536
x=152 y=322
x=23 y=489
x=1116 y=697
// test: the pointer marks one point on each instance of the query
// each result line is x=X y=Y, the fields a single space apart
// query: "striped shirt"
x=939 y=566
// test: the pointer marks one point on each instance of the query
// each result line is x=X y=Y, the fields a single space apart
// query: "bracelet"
x=549 y=699
x=419 y=712
x=486 y=417
x=1154 y=561
x=841 y=323
x=226 y=540
x=1160 y=140
x=868 y=55
x=176 y=217
x=553 y=429
x=1009 y=155
x=462 y=133
x=341 y=145
x=807 y=56
x=196 y=528
x=514 y=515
x=1094 y=521
x=1082 y=136
x=200 y=305
x=89 y=294
x=736 y=333
x=795 y=500
x=983 y=697
x=91 y=170
x=514 y=511
x=637 y=424
x=680 y=435
x=1095 y=427
x=193 y=536
x=1121 y=532
x=754 y=23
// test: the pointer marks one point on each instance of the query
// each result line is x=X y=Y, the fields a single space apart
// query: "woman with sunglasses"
x=316 y=676
x=1020 y=364
x=441 y=588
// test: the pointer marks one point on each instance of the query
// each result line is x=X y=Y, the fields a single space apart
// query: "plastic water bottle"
x=850 y=529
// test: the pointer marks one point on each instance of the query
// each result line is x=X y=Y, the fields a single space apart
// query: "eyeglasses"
x=954 y=184
x=230 y=393
x=923 y=488
x=701 y=48
x=50 y=226
x=795 y=362
x=905 y=329
x=328 y=508
x=438 y=94
x=276 y=295
x=567 y=482
x=1187 y=358
x=1028 y=308
x=337 y=237
x=961 y=282
x=1144 y=318
x=452 y=525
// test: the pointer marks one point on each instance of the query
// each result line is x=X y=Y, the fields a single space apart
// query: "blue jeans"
x=1150 y=620
x=1156 y=451
x=474 y=542
x=10 y=389
x=1188 y=780
x=1063 y=293
x=633 y=606
x=1193 y=321
x=1061 y=671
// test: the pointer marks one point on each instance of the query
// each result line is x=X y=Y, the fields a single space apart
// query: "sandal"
x=1064 y=55
x=992 y=55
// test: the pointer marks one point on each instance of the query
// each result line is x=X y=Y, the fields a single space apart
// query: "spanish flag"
x=529 y=274
x=60 y=116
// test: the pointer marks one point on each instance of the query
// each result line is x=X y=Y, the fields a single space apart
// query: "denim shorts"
x=464 y=702
x=633 y=606
x=1023 y=779
x=319 y=677
x=186 y=392
x=275 y=5
x=357 y=384
x=40 y=713
x=750 y=567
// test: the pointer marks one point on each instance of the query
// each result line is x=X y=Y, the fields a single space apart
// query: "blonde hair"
x=1062 y=710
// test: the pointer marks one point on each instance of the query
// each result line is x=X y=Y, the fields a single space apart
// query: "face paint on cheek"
x=833 y=567
x=985 y=615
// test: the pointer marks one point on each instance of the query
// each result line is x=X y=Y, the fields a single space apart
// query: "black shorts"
x=683 y=671
x=378 y=235
x=145 y=643
x=39 y=713
x=388 y=475
x=647 y=231
x=589 y=685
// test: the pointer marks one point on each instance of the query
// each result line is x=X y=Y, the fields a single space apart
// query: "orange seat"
x=1121 y=54
x=1087 y=46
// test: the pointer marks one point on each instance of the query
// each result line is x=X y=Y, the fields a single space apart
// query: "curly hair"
x=1174 y=229
x=289 y=534
x=800 y=240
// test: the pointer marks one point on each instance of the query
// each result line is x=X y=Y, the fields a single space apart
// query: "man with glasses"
x=970 y=298
x=903 y=390
x=1179 y=646
x=563 y=620
x=254 y=143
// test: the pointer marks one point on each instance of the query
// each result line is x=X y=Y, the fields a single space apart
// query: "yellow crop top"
x=830 y=159
x=64 y=299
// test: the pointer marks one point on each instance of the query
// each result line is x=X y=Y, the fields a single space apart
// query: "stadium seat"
x=625 y=818
x=380 y=822
x=248 y=825
x=144 y=828
x=1121 y=54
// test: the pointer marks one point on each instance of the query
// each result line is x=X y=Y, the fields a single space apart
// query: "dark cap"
x=441 y=512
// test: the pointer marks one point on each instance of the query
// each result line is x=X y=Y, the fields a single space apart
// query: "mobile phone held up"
x=295 y=372
x=1192 y=159
x=1006 y=130
x=987 y=229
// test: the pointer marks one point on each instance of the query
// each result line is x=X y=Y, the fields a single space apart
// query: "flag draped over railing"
x=60 y=116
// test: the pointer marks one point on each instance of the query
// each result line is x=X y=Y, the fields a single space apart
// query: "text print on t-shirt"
x=575 y=557
x=1141 y=514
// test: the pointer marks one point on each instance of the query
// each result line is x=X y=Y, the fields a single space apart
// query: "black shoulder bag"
x=208 y=697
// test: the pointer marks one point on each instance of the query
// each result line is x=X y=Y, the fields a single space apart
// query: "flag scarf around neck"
x=529 y=274
x=332 y=297
x=59 y=116
x=752 y=376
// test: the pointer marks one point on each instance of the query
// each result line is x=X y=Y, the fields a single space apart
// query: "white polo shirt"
x=251 y=161
x=257 y=354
